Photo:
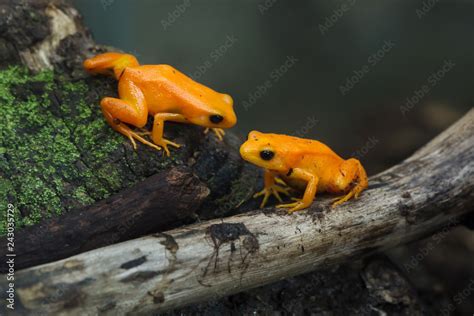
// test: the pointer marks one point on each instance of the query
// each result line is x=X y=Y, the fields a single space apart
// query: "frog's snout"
x=244 y=150
x=231 y=119
x=227 y=99
x=248 y=151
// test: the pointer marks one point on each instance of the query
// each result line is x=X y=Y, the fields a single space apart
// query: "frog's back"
x=168 y=89
x=302 y=146
x=156 y=73
x=169 y=77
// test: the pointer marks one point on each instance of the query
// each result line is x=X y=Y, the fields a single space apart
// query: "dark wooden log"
x=432 y=188
x=58 y=156
x=159 y=202
x=79 y=164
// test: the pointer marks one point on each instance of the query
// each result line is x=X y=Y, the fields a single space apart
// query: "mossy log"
x=432 y=188
x=58 y=156
x=158 y=202
x=60 y=163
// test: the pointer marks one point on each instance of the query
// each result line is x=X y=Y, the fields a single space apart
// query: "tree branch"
x=157 y=203
x=59 y=157
x=167 y=270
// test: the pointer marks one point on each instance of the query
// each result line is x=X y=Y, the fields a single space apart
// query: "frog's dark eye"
x=267 y=154
x=216 y=119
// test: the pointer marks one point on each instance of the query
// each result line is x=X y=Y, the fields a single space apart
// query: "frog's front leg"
x=309 y=193
x=271 y=188
x=131 y=108
x=218 y=131
x=158 y=126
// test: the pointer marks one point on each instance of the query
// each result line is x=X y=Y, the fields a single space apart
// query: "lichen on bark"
x=56 y=151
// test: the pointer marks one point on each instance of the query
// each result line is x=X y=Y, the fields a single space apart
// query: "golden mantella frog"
x=305 y=164
x=160 y=91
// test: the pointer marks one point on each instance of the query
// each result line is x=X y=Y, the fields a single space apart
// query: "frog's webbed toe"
x=345 y=198
x=143 y=132
x=274 y=190
x=164 y=144
x=218 y=131
x=294 y=206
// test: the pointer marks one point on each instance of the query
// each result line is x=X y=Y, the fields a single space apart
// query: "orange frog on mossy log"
x=160 y=91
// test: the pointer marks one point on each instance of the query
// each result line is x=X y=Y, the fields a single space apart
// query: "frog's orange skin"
x=302 y=163
x=160 y=91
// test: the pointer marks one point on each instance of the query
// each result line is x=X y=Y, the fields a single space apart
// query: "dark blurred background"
x=387 y=50
x=375 y=80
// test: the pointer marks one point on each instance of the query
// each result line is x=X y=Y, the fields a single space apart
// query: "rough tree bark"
x=58 y=157
x=112 y=220
x=57 y=153
x=162 y=271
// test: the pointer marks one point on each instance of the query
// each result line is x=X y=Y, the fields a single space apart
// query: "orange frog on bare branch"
x=302 y=163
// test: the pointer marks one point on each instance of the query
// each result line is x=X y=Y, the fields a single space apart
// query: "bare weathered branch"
x=60 y=159
x=210 y=259
x=157 y=203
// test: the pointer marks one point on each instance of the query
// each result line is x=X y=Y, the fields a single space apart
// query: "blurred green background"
x=350 y=65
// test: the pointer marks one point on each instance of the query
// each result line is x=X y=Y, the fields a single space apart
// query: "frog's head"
x=215 y=110
x=266 y=151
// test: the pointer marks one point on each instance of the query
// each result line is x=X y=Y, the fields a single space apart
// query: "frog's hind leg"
x=158 y=126
x=125 y=130
x=131 y=108
x=351 y=174
x=112 y=64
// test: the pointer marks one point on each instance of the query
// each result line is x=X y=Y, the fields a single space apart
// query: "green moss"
x=36 y=192
x=57 y=152
x=81 y=195
x=73 y=87
x=48 y=150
